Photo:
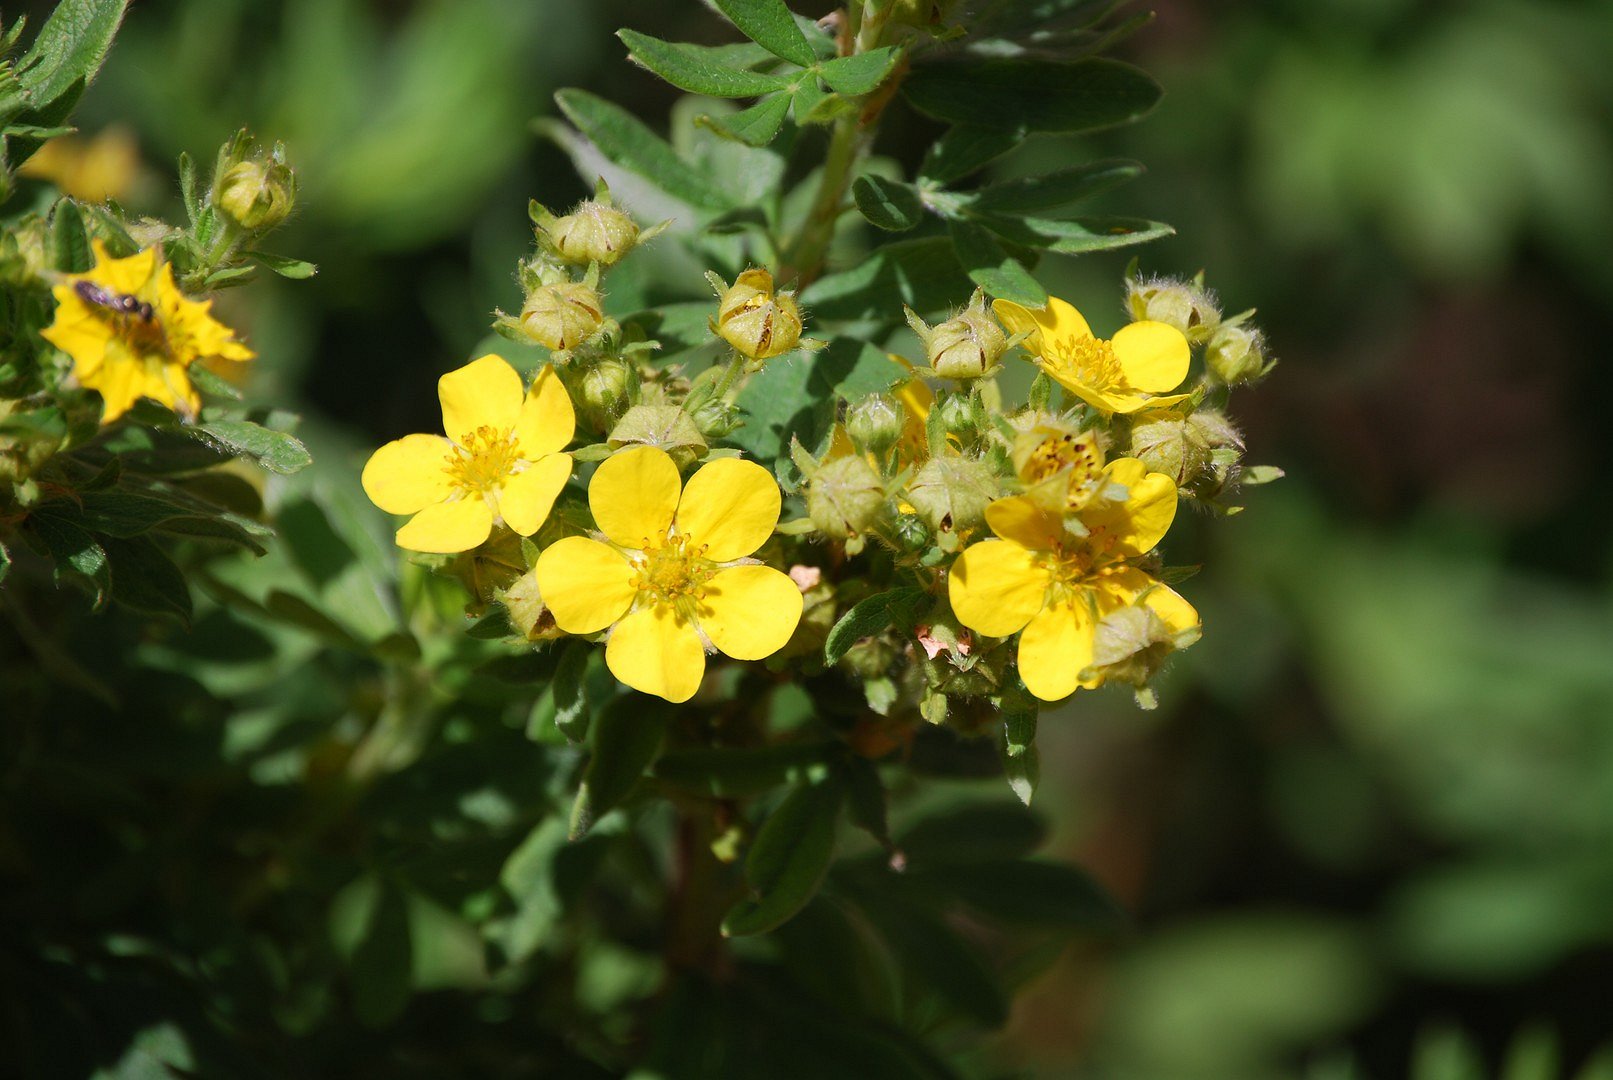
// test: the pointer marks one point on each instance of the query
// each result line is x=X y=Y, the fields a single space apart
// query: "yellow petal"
x=587 y=585
x=1126 y=585
x=729 y=506
x=448 y=527
x=1137 y=525
x=123 y=276
x=1055 y=647
x=1026 y=523
x=656 y=651
x=527 y=497
x=407 y=475
x=633 y=495
x=750 y=611
x=1129 y=402
x=77 y=332
x=1153 y=355
x=547 y=420
x=995 y=587
x=120 y=380
x=483 y=392
x=1173 y=610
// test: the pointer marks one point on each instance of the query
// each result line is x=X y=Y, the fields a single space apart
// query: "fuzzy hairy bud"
x=667 y=427
x=844 y=497
x=758 y=321
x=1172 y=445
x=563 y=315
x=876 y=423
x=1181 y=304
x=1236 y=354
x=257 y=194
x=966 y=346
x=595 y=232
x=605 y=391
x=952 y=493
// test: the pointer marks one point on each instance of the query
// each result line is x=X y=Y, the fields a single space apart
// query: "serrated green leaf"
x=274 y=450
x=697 y=69
x=70 y=48
x=862 y=73
x=70 y=250
x=770 y=24
x=295 y=269
x=1053 y=190
x=625 y=140
x=735 y=772
x=1076 y=237
x=755 y=126
x=789 y=858
x=888 y=204
x=211 y=383
x=992 y=268
x=873 y=615
x=626 y=738
x=1039 y=95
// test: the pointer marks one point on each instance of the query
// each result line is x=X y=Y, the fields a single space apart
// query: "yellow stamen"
x=484 y=460
x=674 y=572
x=1087 y=360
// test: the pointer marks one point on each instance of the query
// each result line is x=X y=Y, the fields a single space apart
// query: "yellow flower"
x=1121 y=375
x=131 y=333
x=501 y=459
x=103 y=166
x=1052 y=587
x=673 y=577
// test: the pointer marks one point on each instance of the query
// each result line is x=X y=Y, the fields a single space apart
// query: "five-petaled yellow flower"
x=1052 y=587
x=673 y=575
x=501 y=459
x=131 y=333
x=1126 y=373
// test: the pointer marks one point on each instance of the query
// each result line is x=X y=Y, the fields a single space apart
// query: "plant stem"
x=811 y=247
x=726 y=383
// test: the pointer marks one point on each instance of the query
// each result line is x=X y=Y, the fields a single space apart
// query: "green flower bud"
x=912 y=535
x=756 y=320
x=605 y=392
x=876 y=423
x=966 y=346
x=1236 y=354
x=595 y=232
x=1225 y=445
x=961 y=417
x=526 y=609
x=951 y=493
x=664 y=426
x=563 y=315
x=844 y=497
x=1172 y=445
x=258 y=194
x=1181 y=304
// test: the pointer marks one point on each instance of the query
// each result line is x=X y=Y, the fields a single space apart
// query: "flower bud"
x=961 y=417
x=527 y=612
x=844 y=497
x=966 y=346
x=1236 y=354
x=563 y=315
x=1181 y=304
x=665 y=426
x=1172 y=445
x=258 y=193
x=756 y=320
x=912 y=535
x=952 y=493
x=605 y=391
x=595 y=232
x=876 y=423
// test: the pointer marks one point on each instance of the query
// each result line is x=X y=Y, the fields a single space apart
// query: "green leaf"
x=1076 y=237
x=888 y=204
x=69 y=49
x=570 y=690
x=770 y=24
x=274 y=450
x=789 y=858
x=74 y=549
x=1053 y=190
x=697 y=69
x=992 y=268
x=735 y=772
x=295 y=269
x=967 y=148
x=867 y=801
x=1023 y=891
x=146 y=580
x=626 y=739
x=973 y=832
x=898 y=607
x=755 y=126
x=1022 y=764
x=70 y=250
x=1040 y=95
x=862 y=73
x=923 y=274
x=369 y=927
x=625 y=140
x=211 y=383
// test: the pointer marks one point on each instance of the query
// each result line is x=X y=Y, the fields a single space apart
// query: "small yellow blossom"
x=1129 y=372
x=500 y=461
x=131 y=333
x=94 y=169
x=1053 y=587
x=671 y=577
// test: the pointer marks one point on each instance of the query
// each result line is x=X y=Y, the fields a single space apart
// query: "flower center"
x=674 y=572
x=1088 y=360
x=1076 y=571
x=483 y=460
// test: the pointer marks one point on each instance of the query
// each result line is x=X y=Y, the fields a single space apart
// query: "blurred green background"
x=1372 y=822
